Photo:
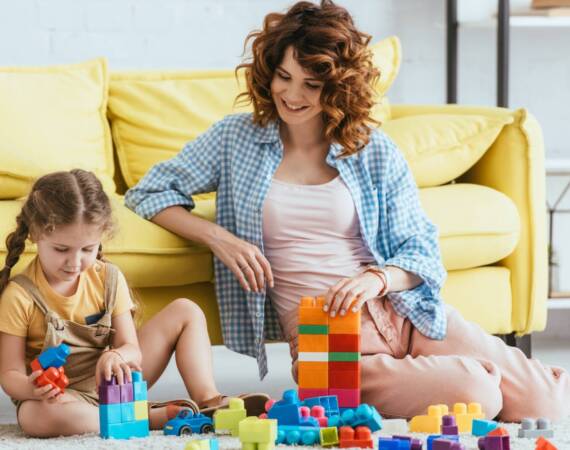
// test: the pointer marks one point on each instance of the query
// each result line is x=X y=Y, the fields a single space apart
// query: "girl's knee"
x=186 y=309
x=28 y=414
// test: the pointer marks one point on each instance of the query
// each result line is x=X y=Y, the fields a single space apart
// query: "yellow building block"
x=311 y=311
x=257 y=434
x=313 y=342
x=347 y=324
x=430 y=423
x=141 y=410
x=229 y=419
x=200 y=444
x=313 y=375
x=464 y=415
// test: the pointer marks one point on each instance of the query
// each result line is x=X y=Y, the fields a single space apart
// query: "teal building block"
x=127 y=412
x=139 y=390
x=110 y=413
x=482 y=427
x=127 y=430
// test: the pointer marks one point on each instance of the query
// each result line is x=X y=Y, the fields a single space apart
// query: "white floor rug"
x=12 y=438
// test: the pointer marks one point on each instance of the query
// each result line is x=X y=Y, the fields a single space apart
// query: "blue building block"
x=110 y=413
x=139 y=387
x=364 y=415
x=127 y=412
x=482 y=427
x=433 y=437
x=54 y=356
x=295 y=434
x=127 y=430
x=387 y=443
x=286 y=411
x=329 y=402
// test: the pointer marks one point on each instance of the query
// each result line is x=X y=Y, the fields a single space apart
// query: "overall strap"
x=29 y=286
x=111 y=277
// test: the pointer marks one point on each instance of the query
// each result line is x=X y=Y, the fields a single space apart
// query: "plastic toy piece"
x=257 y=434
x=287 y=411
x=295 y=434
x=318 y=412
x=445 y=444
x=120 y=419
x=344 y=343
x=50 y=363
x=313 y=374
x=364 y=415
x=229 y=418
x=328 y=402
x=464 y=415
x=359 y=437
x=202 y=444
x=481 y=427
x=494 y=443
x=531 y=428
x=448 y=425
x=314 y=343
x=442 y=437
x=399 y=443
x=430 y=423
x=347 y=398
x=415 y=444
x=188 y=422
x=329 y=436
x=499 y=431
x=544 y=444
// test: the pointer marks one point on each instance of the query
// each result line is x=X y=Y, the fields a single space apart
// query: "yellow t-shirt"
x=19 y=316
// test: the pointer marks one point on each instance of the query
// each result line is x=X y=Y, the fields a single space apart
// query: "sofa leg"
x=521 y=342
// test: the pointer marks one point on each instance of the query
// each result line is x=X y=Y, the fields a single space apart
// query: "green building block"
x=313 y=329
x=329 y=436
x=229 y=419
x=258 y=434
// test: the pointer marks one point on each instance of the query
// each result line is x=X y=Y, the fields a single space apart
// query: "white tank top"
x=312 y=239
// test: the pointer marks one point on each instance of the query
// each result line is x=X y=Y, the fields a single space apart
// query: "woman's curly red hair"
x=327 y=44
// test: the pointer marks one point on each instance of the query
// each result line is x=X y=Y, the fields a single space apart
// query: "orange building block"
x=311 y=311
x=313 y=375
x=361 y=437
x=344 y=342
x=313 y=343
x=498 y=432
x=544 y=444
x=347 y=324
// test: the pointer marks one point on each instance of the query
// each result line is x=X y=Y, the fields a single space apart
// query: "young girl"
x=314 y=200
x=69 y=294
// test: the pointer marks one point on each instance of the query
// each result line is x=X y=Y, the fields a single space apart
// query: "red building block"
x=361 y=437
x=500 y=431
x=344 y=343
x=53 y=376
x=544 y=444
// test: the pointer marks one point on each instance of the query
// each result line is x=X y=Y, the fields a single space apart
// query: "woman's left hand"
x=111 y=363
x=352 y=293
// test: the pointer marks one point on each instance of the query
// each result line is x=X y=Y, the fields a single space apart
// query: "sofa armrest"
x=514 y=165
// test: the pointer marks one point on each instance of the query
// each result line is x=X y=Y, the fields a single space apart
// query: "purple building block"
x=494 y=443
x=127 y=394
x=109 y=392
x=444 y=444
x=448 y=425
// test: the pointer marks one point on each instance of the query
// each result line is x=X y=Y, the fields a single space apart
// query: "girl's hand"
x=47 y=393
x=245 y=260
x=111 y=363
x=352 y=293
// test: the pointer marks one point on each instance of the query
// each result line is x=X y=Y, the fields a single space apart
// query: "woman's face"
x=296 y=93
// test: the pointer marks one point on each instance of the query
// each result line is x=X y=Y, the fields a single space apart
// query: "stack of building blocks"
x=202 y=444
x=355 y=437
x=544 y=444
x=534 y=428
x=481 y=427
x=329 y=353
x=123 y=408
x=50 y=362
x=430 y=423
x=257 y=434
x=229 y=418
x=464 y=415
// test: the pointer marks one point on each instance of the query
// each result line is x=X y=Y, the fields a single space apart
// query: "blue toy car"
x=187 y=422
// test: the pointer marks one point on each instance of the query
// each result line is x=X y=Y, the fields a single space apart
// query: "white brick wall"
x=138 y=34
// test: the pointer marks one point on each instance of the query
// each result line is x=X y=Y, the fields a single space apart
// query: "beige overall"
x=86 y=342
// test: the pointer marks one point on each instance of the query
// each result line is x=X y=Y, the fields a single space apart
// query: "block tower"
x=329 y=353
x=123 y=408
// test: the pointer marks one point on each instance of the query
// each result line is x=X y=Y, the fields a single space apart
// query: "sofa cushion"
x=53 y=118
x=441 y=147
x=477 y=225
x=154 y=114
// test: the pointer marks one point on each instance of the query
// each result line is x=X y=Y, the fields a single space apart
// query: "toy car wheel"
x=207 y=428
x=185 y=431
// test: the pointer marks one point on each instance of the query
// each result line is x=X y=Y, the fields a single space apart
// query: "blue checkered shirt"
x=237 y=159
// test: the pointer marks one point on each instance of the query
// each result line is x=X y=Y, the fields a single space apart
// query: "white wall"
x=210 y=33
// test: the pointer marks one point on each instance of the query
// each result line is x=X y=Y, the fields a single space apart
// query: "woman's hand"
x=352 y=293
x=48 y=392
x=245 y=260
x=111 y=363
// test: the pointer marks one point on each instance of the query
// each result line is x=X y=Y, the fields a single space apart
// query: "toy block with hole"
x=481 y=427
x=229 y=418
x=313 y=343
x=534 y=428
x=430 y=423
x=257 y=434
x=359 y=437
x=328 y=402
x=329 y=436
x=544 y=444
x=344 y=343
x=313 y=374
x=121 y=415
x=464 y=415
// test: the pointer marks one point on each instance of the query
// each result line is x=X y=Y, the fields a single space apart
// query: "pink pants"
x=403 y=372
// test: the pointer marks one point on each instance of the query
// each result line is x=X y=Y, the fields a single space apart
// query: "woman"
x=313 y=200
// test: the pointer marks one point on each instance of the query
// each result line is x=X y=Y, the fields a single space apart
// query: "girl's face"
x=68 y=251
x=296 y=92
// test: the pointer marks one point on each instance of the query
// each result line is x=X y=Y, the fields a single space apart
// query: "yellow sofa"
x=479 y=169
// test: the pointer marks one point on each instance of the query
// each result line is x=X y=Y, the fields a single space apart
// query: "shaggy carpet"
x=12 y=438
